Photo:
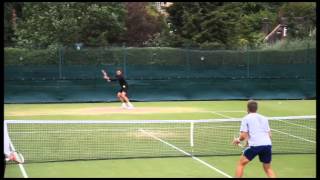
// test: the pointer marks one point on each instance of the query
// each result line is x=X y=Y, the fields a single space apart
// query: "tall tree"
x=142 y=23
x=220 y=24
x=205 y=22
x=12 y=11
x=301 y=18
x=69 y=22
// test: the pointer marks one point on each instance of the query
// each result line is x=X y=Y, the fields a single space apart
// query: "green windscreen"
x=69 y=75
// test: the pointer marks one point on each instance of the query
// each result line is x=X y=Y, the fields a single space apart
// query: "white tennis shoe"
x=130 y=106
x=124 y=106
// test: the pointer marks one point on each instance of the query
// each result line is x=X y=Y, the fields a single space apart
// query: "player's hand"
x=236 y=141
x=107 y=78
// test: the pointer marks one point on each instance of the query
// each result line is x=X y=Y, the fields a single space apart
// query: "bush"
x=290 y=44
x=212 y=45
x=20 y=56
x=293 y=51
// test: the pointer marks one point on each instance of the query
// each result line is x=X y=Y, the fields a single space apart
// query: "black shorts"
x=264 y=153
x=124 y=90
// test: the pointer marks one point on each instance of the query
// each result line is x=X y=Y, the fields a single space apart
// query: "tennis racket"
x=105 y=75
x=104 y=72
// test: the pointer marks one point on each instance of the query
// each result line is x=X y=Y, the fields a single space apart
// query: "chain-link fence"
x=158 y=63
x=67 y=74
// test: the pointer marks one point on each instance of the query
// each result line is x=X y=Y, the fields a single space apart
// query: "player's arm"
x=243 y=133
x=269 y=130
x=270 y=134
x=242 y=137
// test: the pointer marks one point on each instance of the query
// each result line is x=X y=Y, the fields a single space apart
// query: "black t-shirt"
x=123 y=83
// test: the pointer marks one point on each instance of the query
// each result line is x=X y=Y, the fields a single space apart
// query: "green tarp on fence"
x=69 y=75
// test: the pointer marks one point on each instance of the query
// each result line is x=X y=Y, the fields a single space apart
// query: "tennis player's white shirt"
x=258 y=129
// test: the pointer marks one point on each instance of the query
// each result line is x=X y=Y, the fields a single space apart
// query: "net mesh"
x=53 y=140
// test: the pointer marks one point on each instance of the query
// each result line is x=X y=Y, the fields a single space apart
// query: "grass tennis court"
x=285 y=165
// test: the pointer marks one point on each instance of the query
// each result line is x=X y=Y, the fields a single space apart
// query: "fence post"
x=124 y=59
x=308 y=61
x=188 y=59
x=246 y=55
x=308 y=51
x=60 y=62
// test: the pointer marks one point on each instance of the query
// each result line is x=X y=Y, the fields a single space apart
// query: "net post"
x=191 y=135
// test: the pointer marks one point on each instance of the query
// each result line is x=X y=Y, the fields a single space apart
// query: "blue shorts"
x=264 y=153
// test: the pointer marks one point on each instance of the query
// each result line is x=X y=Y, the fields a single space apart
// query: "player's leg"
x=8 y=153
x=248 y=154
x=120 y=97
x=126 y=99
x=123 y=105
x=268 y=170
x=240 y=166
x=6 y=142
x=265 y=157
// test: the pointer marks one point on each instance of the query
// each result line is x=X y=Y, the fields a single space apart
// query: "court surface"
x=285 y=165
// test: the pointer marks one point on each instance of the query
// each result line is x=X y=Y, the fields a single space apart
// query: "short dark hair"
x=252 y=106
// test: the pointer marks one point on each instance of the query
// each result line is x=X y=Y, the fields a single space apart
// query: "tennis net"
x=65 y=140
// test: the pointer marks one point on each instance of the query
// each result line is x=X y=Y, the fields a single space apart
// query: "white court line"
x=186 y=153
x=297 y=125
x=113 y=130
x=232 y=111
x=23 y=171
x=214 y=112
x=293 y=136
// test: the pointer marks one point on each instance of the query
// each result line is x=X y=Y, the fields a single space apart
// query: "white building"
x=160 y=6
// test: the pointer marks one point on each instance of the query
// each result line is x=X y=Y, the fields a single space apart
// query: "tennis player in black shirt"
x=122 y=93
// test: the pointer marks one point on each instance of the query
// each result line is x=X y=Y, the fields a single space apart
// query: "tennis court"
x=156 y=139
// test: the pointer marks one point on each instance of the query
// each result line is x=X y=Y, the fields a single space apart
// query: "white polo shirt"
x=258 y=129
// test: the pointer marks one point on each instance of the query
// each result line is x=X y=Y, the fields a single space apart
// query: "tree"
x=301 y=18
x=67 y=23
x=143 y=22
x=8 y=29
x=252 y=15
x=220 y=24
x=205 y=22
x=12 y=11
